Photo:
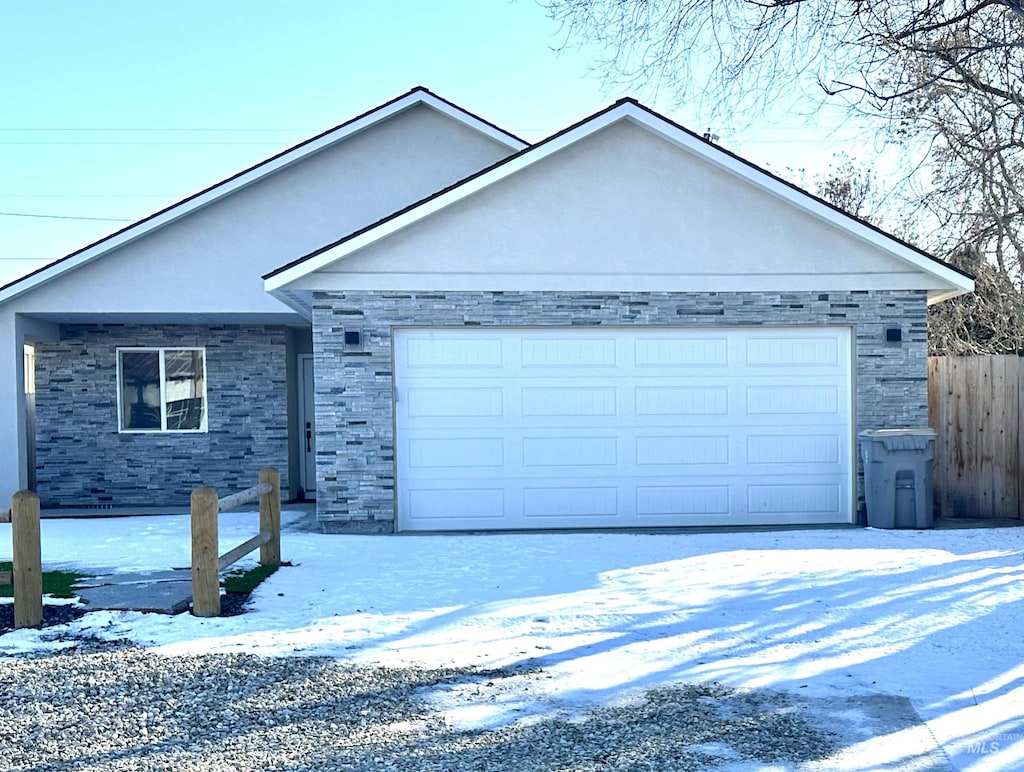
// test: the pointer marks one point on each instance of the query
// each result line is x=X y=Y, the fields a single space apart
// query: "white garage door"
x=502 y=428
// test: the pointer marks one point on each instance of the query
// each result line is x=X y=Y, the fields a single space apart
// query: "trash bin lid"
x=900 y=439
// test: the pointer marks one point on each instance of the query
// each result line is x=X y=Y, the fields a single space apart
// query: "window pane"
x=140 y=389
x=184 y=389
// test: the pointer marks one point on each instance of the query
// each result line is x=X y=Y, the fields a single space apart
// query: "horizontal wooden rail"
x=206 y=565
x=242 y=497
x=5 y=515
x=6 y=578
x=233 y=556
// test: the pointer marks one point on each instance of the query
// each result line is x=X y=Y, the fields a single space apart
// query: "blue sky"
x=113 y=109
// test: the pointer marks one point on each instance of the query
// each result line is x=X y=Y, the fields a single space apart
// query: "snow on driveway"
x=933 y=616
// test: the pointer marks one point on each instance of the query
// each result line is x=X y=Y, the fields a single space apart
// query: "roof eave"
x=939 y=296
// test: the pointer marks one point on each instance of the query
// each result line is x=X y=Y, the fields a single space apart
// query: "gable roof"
x=959 y=282
x=416 y=96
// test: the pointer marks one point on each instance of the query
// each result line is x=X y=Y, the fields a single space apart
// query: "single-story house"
x=429 y=324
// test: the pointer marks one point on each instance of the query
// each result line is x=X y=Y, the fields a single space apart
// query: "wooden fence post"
x=28 y=560
x=270 y=517
x=205 y=577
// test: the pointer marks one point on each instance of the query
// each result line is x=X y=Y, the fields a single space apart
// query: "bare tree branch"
x=943 y=78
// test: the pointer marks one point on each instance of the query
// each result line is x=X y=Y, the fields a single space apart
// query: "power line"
x=138 y=128
x=62 y=217
x=87 y=195
x=165 y=142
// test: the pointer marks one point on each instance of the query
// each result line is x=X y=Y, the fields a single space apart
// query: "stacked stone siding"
x=354 y=400
x=82 y=459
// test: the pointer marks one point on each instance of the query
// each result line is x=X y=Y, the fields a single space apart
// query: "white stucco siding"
x=15 y=332
x=621 y=209
x=211 y=260
x=12 y=411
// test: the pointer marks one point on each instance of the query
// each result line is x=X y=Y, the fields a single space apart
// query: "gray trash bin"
x=898 y=477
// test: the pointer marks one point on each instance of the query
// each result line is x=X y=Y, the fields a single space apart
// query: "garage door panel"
x=617 y=427
x=682 y=500
x=793 y=400
x=568 y=401
x=456 y=503
x=568 y=351
x=681 y=352
x=570 y=451
x=791 y=449
x=449 y=350
x=677 y=450
x=773 y=498
x=449 y=402
x=793 y=351
x=570 y=502
x=456 y=452
x=681 y=400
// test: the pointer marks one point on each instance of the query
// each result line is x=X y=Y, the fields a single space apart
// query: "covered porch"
x=133 y=410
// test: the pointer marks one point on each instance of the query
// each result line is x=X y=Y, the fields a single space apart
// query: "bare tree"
x=988 y=321
x=852 y=187
x=744 y=54
x=946 y=78
x=971 y=111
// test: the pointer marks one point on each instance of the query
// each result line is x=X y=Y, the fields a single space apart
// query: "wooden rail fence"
x=975 y=405
x=27 y=573
x=206 y=564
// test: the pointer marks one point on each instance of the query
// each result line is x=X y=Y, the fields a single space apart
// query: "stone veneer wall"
x=354 y=402
x=82 y=459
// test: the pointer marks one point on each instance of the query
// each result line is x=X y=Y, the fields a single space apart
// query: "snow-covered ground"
x=933 y=616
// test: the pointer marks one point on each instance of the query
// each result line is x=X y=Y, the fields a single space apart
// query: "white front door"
x=307 y=427
x=623 y=427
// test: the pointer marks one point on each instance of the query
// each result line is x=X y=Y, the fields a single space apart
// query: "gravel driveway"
x=111 y=707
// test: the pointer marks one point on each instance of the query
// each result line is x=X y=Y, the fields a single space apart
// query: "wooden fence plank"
x=961 y=427
x=969 y=378
x=937 y=420
x=1019 y=467
x=947 y=410
x=999 y=437
x=981 y=414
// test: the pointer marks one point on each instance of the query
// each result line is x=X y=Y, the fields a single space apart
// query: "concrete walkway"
x=163 y=592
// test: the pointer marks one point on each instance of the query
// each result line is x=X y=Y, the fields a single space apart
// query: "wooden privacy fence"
x=27 y=573
x=975 y=405
x=206 y=564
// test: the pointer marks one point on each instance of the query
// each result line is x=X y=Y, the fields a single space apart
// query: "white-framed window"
x=161 y=389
